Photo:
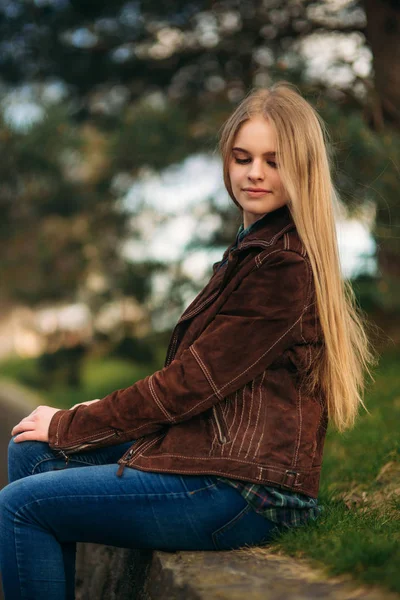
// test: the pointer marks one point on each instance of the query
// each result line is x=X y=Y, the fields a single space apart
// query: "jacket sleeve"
x=254 y=326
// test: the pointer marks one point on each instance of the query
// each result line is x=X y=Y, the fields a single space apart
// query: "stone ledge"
x=253 y=573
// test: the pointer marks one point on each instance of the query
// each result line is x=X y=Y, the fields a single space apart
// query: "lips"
x=257 y=190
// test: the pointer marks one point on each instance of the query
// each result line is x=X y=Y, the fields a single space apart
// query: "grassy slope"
x=359 y=531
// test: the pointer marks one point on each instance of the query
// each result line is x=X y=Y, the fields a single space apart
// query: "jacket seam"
x=291 y=250
x=234 y=459
x=214 y=438
x=58 y=428
x=240 y=420
x=158 y=401
x=148 y=445
x=300 y=428
x=257 y=419
x=187 y=315
x=249 y=417
x=282 y=471
x=218 y=391
x=265 y=481
x=93 y=436
x=206 y=373
x=261 y=242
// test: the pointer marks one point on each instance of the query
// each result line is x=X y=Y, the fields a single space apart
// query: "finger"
x=29 y=418
x=23 y=426
x=27 y=436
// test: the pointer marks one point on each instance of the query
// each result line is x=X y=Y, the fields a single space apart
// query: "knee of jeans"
x=21 y=456
x=17 y=450
x=10 y=499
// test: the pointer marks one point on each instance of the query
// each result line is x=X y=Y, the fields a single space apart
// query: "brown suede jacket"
x=229 y=399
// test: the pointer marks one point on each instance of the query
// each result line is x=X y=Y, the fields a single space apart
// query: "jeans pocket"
x=247 y=528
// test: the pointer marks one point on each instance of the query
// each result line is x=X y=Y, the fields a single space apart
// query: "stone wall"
x=108 y=573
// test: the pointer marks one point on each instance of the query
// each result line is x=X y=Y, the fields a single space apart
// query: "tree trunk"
x=383 y=34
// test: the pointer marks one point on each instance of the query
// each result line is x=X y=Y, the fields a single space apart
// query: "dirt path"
x=15 y=403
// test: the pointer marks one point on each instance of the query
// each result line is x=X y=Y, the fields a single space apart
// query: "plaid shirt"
x=277 y=505
x=280 y=506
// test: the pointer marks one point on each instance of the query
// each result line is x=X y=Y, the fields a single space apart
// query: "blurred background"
x=111 y=196
x=112 y=208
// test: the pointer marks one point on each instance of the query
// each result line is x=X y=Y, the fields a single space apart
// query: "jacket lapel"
x=264 y=236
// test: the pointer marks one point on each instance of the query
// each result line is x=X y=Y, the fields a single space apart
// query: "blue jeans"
x=50 y=505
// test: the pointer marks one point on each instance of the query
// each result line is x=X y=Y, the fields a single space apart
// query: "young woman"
x=222 y=447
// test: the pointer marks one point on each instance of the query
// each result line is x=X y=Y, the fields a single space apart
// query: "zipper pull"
x=124 y=461
x=121 y=469
x=65 y=457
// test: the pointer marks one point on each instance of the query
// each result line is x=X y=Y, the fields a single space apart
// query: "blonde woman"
x=222 y=447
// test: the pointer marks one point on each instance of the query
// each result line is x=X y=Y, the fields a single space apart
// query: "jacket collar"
x=266 y=229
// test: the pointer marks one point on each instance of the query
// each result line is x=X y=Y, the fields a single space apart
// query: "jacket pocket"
x=222 y=427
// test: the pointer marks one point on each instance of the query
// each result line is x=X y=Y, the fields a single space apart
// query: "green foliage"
x=134 y=349
x=367 y=174
x=151 y=136
x=101 y=376
x=42 y=251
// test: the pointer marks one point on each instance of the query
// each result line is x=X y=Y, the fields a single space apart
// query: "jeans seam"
x=89 y=464
x=208 y=487
x=229 y=525
x=167 y=495
x=17 y=554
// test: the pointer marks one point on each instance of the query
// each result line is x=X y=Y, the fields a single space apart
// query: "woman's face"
x=254 y=172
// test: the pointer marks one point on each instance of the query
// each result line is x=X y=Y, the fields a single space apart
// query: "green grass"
x=100 y=376
x=364 y=538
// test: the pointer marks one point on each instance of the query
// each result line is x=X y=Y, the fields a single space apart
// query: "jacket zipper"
x=78 y=447
x=131 y=452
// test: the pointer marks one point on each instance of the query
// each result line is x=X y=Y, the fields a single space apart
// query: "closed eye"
x=246 y=161
x=242 y=161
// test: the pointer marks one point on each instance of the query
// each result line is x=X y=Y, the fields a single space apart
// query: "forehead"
x=256 y=135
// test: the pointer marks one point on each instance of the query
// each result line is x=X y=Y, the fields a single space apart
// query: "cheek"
x=233 y=175
x=276 y=181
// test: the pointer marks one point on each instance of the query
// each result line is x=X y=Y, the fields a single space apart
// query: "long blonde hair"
x=305 y=172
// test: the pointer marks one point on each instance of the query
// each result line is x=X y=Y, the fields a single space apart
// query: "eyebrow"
x=247 y=152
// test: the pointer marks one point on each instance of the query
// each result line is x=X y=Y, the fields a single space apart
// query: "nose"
x=256 y=170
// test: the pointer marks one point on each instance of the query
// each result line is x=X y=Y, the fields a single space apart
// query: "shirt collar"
x=242 y=232
x=270 y=223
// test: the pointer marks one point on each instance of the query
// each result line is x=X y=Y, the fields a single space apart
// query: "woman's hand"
x=35 y=426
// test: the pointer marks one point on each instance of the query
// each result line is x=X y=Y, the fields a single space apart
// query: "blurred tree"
x=156 y=80
x=111 y=53
x=62 y=231
x=383 y=35
x=52 y=208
